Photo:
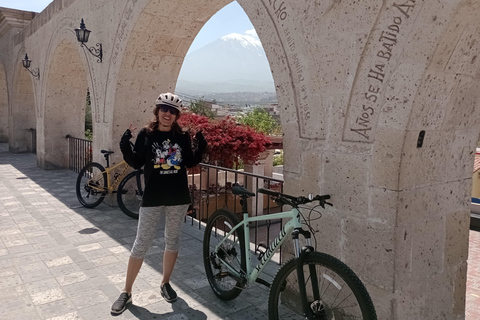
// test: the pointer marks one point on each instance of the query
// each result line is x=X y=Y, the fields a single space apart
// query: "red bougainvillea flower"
x=228 y=142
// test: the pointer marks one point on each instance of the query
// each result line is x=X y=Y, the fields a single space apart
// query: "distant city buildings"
x=224 y=110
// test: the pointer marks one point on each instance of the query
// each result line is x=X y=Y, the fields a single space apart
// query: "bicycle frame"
x=119 y=177
x=112 y=185
x=253 y=273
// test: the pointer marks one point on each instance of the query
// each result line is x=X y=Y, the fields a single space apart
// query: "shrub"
x=228 y=142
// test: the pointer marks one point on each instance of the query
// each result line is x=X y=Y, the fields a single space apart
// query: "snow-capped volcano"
x=243 y=39
x=234 y=59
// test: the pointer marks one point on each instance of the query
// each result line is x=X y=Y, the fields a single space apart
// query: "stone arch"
x=22 y=115
x=63 y=112
x=435 y=175
x=3 y=104
x=401 y=210
x=153 y=56
x=400 y=218
x=63 y=36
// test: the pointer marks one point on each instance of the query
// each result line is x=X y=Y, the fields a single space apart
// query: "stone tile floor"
x=473 y=278
x=59 y=260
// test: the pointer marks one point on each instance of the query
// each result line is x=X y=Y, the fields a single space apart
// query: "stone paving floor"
x=59 y=260
x=473 y=278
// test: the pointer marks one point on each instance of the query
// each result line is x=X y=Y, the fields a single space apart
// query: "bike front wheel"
x=230 y=251
x=130 y=193
x=92 y=185
x=334 y=291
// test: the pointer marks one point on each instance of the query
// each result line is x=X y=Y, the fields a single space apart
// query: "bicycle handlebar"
x=283 y=198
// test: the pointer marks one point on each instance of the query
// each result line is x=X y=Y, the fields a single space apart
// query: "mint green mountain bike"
x=311 y=285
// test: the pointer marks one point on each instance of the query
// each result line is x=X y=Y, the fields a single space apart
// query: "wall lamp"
x=82 y=37
x=26 y=64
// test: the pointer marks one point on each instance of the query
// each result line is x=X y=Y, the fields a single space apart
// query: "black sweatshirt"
x=165 y=157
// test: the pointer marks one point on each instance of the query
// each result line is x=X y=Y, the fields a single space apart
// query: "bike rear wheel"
x=339 y=292
x=231 y=251
x=130 y=193
x=92 y=185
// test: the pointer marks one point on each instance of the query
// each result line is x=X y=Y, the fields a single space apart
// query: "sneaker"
x=121 y=304
x=168 y=293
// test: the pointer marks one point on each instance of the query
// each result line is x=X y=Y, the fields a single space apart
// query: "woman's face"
x=166 y=117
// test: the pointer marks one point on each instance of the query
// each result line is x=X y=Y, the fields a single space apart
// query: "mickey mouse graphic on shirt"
x=167 y=156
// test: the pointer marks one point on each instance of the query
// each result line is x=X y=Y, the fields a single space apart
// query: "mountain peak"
x=223 y=62
x=243 y=39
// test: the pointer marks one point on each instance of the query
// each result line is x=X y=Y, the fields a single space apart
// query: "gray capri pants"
x=149 y=219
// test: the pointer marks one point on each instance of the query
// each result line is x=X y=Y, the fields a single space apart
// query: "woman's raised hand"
x=128 y=134
x=132 y=129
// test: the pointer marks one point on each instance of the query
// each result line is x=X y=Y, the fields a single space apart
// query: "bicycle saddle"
x=242 y=191
x=106 y=152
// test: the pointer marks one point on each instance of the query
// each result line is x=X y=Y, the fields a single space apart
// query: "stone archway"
x=22 y=114
x=3 y=105
x=353 y=83
x=359 y=84
x=65 y=103
x=153 y=57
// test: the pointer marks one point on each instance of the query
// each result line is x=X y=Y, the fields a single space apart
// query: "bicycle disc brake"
x=319 y=310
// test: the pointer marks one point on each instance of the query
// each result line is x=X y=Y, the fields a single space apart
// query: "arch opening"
x=23 y=114
x=65 y=104
x=227 y=63
x=154 y=54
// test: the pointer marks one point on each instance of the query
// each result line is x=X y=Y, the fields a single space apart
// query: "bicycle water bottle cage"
x=261 y=249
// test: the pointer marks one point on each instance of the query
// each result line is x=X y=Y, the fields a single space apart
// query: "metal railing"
x=210 y=188
x=34 y=139
x=80 y=153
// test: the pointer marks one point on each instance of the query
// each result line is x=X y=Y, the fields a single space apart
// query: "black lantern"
x=82 y=34
x=26 y=64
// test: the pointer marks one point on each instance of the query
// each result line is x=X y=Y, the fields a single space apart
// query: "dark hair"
x=152 y=125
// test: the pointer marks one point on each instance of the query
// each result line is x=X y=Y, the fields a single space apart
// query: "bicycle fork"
x=310 y=311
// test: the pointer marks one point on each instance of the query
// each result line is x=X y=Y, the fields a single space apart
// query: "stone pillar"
x=357 y=91
x=255 y=204
x=4 y=125
x=268 y=156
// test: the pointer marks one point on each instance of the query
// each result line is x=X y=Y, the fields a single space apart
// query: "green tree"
x=278 y=158
x=88 y=118
x=260 y=120
x=201 y=108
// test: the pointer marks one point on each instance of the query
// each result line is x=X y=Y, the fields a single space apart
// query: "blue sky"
x=231 y=19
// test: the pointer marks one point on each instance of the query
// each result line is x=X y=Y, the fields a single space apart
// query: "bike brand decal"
x=117 y=176
x=271 y=249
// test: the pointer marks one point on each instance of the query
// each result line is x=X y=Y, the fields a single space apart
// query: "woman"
x=165 y=151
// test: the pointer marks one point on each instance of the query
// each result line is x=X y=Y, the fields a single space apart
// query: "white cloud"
x=252 y=32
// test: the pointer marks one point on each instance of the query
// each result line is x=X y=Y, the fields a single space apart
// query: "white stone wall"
x=4 y=128
x=357 y=82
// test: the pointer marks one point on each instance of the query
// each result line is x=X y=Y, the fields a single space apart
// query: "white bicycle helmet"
x=171 y=100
